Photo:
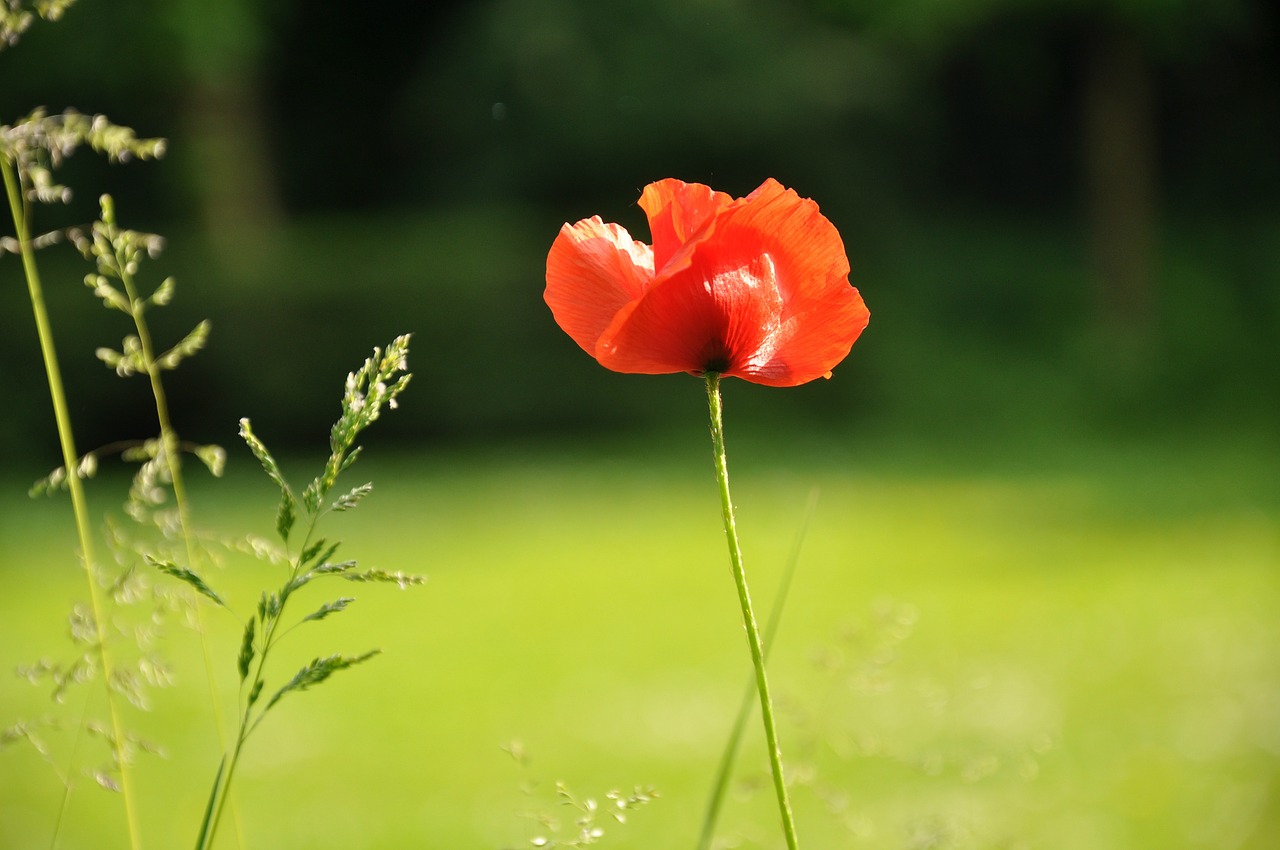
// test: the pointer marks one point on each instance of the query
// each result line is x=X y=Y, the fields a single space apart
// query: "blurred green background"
x=1063 y=214
x=1038 y=605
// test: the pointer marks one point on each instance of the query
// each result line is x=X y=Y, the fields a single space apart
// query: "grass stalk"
x=220 y=795
x=169 y=445
x=748 y=616
x=377 y=383
x=70 y=459
x=222 y=785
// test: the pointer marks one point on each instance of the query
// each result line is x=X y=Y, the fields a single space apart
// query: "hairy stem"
x=720 y=786
x=748 y=616
x=62 y=418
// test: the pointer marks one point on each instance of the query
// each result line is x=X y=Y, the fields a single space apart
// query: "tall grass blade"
x=204 y=836
x=62 y=417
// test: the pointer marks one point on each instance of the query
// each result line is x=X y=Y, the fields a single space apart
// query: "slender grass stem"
x=222 y=781
x=62 y=418
x=65 y=802
x=173 y=461
x=748 y=616
x=222 y=787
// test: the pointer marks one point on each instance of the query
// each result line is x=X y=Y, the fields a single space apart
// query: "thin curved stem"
x=748 y=616
x=79 y=505
x=172 y=449
x=720 y=786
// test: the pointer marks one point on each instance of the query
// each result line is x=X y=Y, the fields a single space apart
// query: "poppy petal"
x=762 y=295
x=694 y=324
x=755 y=288
x=809 y=347
x=677 y=211
x=820 y=315
x=594 y=270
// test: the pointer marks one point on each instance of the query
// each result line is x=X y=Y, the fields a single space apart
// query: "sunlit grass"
x=1073 y=652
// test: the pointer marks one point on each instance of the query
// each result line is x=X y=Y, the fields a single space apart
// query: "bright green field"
x=1077 y=648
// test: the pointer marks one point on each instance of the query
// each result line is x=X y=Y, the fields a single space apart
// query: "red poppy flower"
x=755 y=288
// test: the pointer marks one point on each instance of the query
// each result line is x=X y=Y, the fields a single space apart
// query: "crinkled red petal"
x=677 y=211
x=762 y=294
x=689 y=323
x=593 y=271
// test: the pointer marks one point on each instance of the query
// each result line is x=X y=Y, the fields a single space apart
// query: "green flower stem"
x=720 y=786
x=70 y=460
x=748 y=617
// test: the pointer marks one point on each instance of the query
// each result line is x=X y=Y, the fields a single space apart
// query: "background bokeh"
x=1062 y=215
x=1039 y=603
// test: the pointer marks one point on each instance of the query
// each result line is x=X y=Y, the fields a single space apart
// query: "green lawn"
x=1075 y=648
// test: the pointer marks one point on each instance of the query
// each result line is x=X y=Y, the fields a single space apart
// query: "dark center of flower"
x=719 y=363
x=714 y=355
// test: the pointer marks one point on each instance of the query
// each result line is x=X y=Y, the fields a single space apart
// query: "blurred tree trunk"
x=233 y=175
x=1119 y=158
x=220 y=47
